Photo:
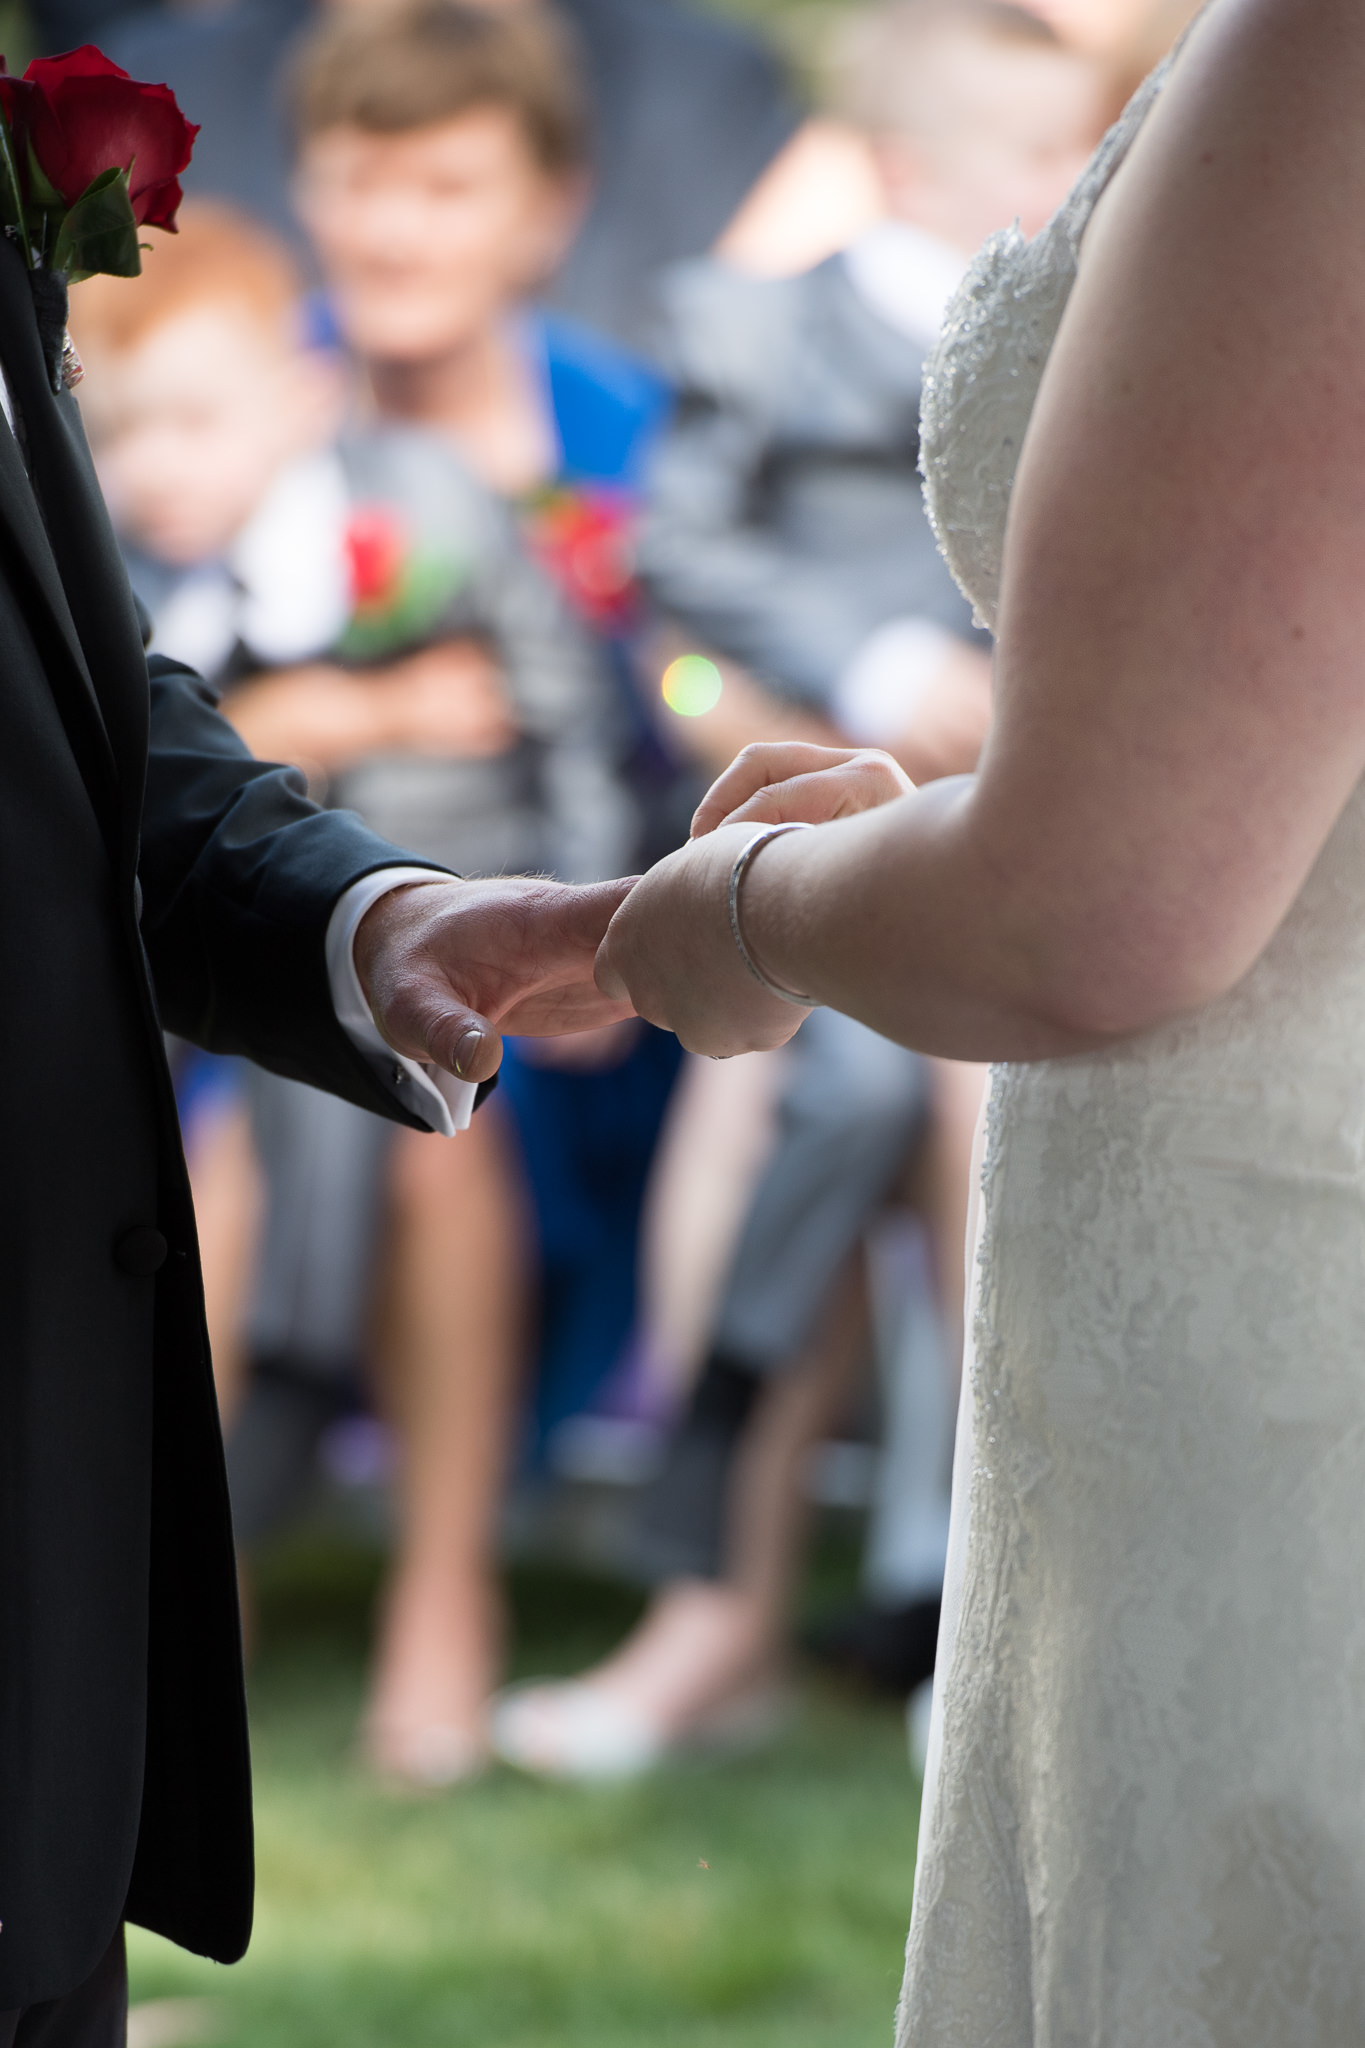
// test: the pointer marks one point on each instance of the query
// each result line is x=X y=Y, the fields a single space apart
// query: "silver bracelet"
x=737 y=874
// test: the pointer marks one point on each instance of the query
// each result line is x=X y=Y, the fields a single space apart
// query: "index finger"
x=755 y=769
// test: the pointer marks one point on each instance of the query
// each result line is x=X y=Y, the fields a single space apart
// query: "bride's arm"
x=1180 y=682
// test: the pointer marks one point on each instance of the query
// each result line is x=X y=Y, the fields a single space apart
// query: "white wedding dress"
x=1144 y=1820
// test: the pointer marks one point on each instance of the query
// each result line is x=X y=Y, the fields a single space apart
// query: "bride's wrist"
x=740 y=930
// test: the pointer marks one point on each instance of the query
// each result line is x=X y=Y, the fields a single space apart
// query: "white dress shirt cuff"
x=443 y=1103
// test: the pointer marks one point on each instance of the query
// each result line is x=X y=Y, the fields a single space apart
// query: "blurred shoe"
x=584 y=1734
x=430 y=1759
x=891 y=1648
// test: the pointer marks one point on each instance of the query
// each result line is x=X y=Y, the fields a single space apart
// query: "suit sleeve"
x=239 y=873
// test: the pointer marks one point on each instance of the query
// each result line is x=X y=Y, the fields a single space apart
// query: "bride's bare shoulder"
x=1213 y=331
x=1261 y=112
x=1180 y=609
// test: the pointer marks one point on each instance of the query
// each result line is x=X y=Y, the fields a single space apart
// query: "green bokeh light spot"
x=691 y=685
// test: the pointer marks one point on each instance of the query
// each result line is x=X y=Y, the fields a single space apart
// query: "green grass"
x=759 y=1905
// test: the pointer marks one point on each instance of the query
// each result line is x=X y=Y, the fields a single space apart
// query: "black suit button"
x=141 y=1252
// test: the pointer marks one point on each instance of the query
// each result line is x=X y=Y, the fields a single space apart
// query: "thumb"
x=426 y=1021
x=466 y=1045
x=606 y=975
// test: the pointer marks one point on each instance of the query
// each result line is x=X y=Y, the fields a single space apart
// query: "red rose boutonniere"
x=87 y=157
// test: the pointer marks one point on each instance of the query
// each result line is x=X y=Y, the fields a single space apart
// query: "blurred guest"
x=788 y=541
x=440 y=172
x=787 y=532
x=374 y=615
x=689 y=116
x=1129 y=37
x=1119 y=29
x=1146 y=42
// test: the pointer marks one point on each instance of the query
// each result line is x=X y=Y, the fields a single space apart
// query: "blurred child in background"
x=442 y=169
x=787 y=542
x=372 y=613
x=1129 y=37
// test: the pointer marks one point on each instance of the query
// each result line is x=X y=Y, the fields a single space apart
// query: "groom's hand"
x=447 y=966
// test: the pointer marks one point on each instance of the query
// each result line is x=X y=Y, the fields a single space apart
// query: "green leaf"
x=99 y=233
x=429 y=584
x=41 y=190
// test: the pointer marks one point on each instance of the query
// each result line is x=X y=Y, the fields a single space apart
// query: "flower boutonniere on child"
x=88 y=156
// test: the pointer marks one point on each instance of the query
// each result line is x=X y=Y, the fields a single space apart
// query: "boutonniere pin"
x=87 y=157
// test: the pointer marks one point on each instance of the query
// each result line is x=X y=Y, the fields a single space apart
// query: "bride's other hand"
x=791 y=782
x=669 y=952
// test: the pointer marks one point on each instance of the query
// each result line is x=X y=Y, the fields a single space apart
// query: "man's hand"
x=447 y=966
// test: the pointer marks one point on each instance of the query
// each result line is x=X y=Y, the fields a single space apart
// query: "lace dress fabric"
x=1144 y=1820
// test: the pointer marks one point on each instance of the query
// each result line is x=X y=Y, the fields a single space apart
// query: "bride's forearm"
x=899 y=918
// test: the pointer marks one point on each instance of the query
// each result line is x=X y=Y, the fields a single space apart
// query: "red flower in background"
x=402 y=586
x=374 y=557
x=584 y=538
x=81 y=116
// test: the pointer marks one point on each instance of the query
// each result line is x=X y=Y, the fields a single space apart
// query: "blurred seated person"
x=788 y=543
x=373 y=615
x=787 y=537
x=695 y=136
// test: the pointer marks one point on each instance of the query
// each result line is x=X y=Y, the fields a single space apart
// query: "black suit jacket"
x=151 y=874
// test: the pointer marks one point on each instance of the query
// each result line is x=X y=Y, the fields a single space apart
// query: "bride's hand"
x=786 y=782
x=669 y=952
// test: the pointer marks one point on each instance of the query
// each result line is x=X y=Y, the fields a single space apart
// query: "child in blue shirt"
x=441 y=173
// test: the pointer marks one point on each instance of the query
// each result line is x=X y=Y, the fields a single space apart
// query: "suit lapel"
x=58 y=523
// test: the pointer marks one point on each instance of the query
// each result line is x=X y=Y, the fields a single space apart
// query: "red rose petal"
x=83 y=115
x=86 y=62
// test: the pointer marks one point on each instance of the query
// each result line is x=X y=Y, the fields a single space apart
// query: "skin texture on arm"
x=1180 y=714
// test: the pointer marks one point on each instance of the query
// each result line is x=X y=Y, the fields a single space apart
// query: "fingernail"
x=466 y=1048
